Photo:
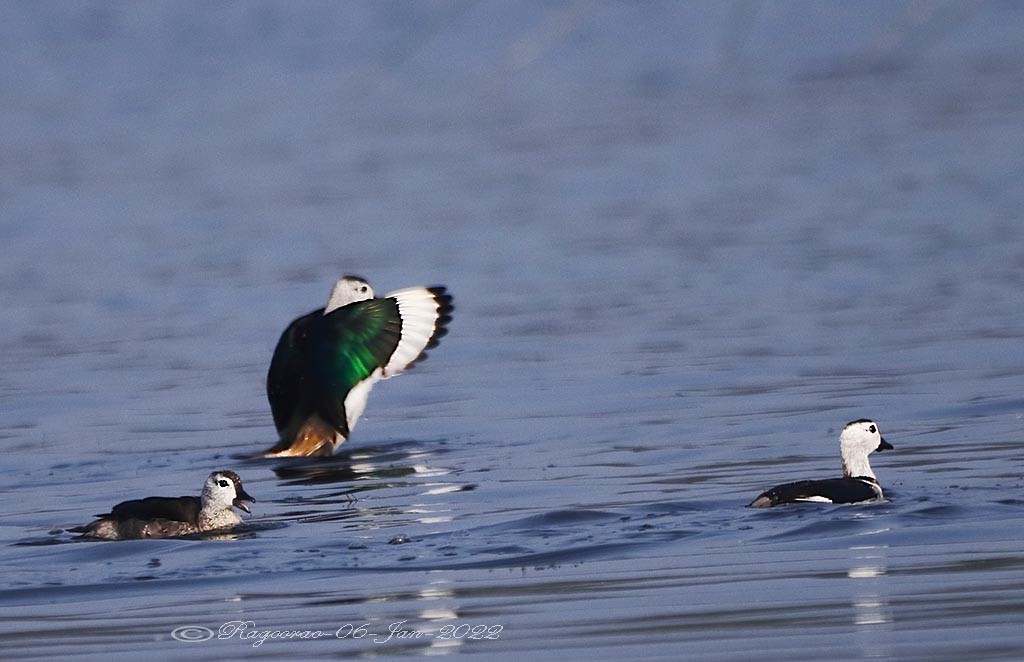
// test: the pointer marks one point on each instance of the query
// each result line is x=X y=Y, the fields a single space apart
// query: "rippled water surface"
x=687 y=244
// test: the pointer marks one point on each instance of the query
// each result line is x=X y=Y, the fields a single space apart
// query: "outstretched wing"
x=425 y=313
x=346 y=347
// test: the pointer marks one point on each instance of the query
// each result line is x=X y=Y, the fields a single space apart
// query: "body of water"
x=687 y=243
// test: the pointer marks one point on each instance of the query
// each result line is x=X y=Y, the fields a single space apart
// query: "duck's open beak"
x=241 y=497
x=884 y=446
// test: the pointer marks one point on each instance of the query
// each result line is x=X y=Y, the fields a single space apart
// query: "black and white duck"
x=858 y=485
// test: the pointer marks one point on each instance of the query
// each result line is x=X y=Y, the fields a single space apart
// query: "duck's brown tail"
x=315 y=437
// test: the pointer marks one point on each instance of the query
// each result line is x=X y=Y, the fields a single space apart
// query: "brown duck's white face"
x=348 y=289
x=223 y=490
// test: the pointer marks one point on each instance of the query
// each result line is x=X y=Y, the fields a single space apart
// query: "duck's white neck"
x=856 y=464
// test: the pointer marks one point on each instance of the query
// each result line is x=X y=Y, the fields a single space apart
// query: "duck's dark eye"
x=362 y=289
x=222 y=483
x=871 y=429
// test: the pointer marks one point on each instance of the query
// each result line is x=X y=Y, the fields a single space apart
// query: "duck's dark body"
x=829 y=490
x=321 y=357
x=152 y=517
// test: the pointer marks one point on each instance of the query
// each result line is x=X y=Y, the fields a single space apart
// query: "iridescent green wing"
x=346 y=346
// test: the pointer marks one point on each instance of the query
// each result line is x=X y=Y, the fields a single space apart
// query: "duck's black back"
x=180 y=509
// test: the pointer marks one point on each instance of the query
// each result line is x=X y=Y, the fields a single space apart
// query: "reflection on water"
x=434 y=618
x=365 y=471
x=870 y=600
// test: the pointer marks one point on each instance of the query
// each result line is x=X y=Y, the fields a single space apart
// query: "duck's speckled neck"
x=211 y=519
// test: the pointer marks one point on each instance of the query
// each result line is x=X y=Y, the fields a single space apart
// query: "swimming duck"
x=327 y=361
x=858 y=440
x=166 y=517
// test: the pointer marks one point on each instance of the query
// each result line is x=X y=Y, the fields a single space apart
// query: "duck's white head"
x=858 y=440
x=222 y=490
x=348 y=289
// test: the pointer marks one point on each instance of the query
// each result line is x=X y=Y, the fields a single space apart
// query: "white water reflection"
x=436 y=617
x=870 y=602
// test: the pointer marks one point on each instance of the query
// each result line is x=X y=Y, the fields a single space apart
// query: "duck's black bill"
x=884 y=446
x=242 y=497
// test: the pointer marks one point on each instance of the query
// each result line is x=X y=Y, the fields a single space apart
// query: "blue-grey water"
x=687 y=242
